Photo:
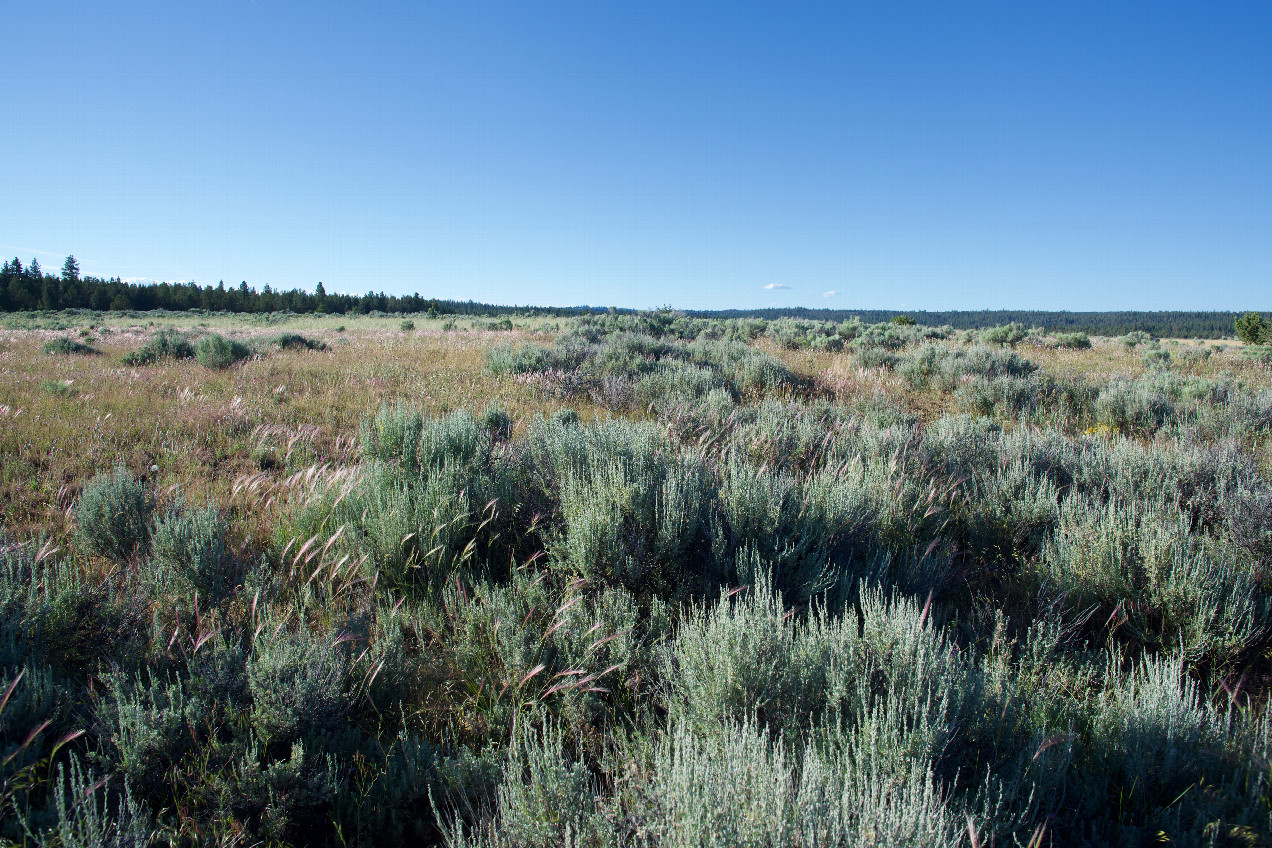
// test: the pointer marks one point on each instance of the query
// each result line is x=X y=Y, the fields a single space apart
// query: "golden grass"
x=838 y=375
x=191 y=429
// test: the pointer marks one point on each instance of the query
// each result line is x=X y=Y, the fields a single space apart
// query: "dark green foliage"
x=63 y=345
x=1253 y=328
x=167 y=344
x=1073 y=341
x=407 y=326
x=295 y=341
x=498 y=423
x=218 y=352
x=112 y=516
x=299 y=683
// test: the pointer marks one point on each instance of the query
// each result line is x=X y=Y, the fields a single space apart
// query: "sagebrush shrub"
x=1133 y=408
x=635 y=521
x=401 y=435
x=416 y=779
x=417 y=529
x=1006 y=334
x=90 y=813
x=299 y=683
x=498 y=423
x=547 y=799
x=1158 y=585
x=734 y=785
x=112 y=515
x=1073 y=341
x=63 y=345
x=1156 y=358
x=622 y=369
x=295 y=341
x=166 y=344
x=57 y=612
x=150 y=725
x=1135 y=338
x=192 y=543
x=1154 y=742
x=218 y=352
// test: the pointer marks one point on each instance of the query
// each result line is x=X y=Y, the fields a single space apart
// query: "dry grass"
x=198 y=429
x=840 y=377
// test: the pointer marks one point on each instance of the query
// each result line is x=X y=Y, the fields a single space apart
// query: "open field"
x=633 y=581
x=200 y=426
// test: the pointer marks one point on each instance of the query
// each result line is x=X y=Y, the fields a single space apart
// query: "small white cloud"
x=830 y=293
x=772 y=286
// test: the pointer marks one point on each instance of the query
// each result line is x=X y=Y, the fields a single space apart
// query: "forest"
x=29 y=288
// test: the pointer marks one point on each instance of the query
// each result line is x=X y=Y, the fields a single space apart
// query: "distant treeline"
x=30 y=288
x=1197 y=325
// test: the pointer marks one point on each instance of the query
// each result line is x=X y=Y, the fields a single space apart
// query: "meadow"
x=630 y=580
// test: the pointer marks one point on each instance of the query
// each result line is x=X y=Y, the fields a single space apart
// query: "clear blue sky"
x=936 y=155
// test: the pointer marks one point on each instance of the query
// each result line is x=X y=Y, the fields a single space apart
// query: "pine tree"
x=1253 y=328
x=51 y=292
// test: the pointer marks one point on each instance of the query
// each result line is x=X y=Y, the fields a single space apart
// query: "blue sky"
x=901 y=155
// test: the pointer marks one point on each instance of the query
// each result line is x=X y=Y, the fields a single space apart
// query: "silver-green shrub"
x=90 y=813
x=299 y=684
x=150 y=727
x=112 y=515
x=218 y=352
x=191 y=545
x=547 y=798
x=1155 y=583
x=1134 y=408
